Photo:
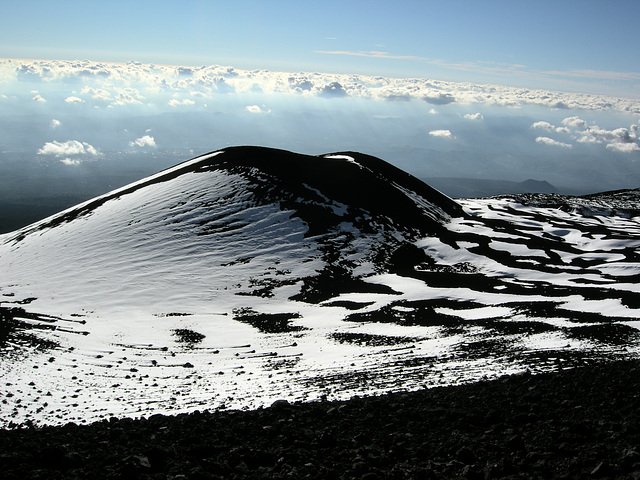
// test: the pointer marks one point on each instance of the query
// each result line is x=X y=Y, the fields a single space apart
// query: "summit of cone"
x=307 y=184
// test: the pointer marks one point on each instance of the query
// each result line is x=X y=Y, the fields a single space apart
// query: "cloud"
x=185 y=72
x=439 y=99
x=442 y=134
x=128 y=96
x=70 y=161
x=334 y=89
x=542 y=125
x=619 y=135
x=552 y=142
x=39 y=98
x=68 y=148
x=164 y=84
x=300 y=84
x=110 y=94
x=257 y=109
x=144 y=141
x=372 y=54
x=97 y=93
x=575 y=122
x=55 y=123
x=177 y=103
x=624 y=147
x=619 y=139
x=585 y=138
x=596 y=74
x=473 y=116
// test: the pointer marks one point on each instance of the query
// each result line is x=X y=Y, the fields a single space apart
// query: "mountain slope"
x=228 y=209
x=251 y=274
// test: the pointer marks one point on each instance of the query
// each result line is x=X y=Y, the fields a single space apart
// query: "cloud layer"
x=113 y=85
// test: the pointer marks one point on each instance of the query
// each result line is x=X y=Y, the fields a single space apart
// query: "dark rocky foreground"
x=579 y=423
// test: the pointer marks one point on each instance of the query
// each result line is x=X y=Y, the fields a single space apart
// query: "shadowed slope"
x=354 y=179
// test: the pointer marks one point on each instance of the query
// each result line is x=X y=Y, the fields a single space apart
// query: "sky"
x=548 y=90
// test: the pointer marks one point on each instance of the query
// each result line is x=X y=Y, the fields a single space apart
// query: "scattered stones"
x=187 y=336
x=580 y=423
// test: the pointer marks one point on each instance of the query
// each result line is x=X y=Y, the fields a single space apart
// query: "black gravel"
x=582 y=423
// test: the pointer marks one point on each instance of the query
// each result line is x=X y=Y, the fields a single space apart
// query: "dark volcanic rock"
x=582 y=423
x=366 y=184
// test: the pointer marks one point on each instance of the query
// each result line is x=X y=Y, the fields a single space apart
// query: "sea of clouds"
x=113 y=84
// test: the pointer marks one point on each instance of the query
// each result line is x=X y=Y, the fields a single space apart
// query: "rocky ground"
x=578 y=423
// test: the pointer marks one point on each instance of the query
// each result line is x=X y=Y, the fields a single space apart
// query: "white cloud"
x=69 y=161
x=575 y=122
x=68 y=148
x=55 y=123
x=73 y=99
x=619 y=135
x=619 y=139
x=112 y=83
x=176 y=103
x=542 y=125
x=39 y=98
x=439 y=98
x=144 y=141
x=334 y=89
x=552 y=142
x=586 y=138
x=433 y=111
x=257 y=109
x=97 y=93
x=474 y=116
x=442 y=134
x=624 y=147
x=127 y=96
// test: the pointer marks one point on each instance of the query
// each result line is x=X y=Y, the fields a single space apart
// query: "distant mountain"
x=480 y=188
x=535 y=186
x=251 y=274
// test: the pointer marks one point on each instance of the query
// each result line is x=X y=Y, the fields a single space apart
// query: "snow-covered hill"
x=252 y=274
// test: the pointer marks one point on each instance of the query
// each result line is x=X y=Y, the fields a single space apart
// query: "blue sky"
x=573 y=45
